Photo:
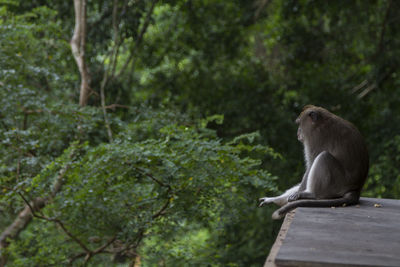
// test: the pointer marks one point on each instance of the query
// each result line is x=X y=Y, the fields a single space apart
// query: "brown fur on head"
x=308 y=109
x=310 y=119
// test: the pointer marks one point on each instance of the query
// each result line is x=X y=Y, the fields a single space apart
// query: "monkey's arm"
x=289 y=195
x=303 y=183
x=279 y=200
x=301 y=195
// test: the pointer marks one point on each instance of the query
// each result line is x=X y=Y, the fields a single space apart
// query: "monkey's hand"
x=300 y=195
x=265 y=201
x=293 y=197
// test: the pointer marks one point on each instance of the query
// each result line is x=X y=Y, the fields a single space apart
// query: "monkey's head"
x=309 y=121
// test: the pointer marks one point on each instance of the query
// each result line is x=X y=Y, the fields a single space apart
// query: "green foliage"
x=185 y=179
x=384 y=175
x=34 y=242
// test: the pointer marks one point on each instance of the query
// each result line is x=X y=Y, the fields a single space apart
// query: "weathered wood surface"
x=363 y=235
x=270 y=262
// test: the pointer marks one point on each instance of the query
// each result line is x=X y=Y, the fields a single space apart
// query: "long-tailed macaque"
x=336 y=159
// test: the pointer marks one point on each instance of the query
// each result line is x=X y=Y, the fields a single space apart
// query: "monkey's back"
x=348 y=146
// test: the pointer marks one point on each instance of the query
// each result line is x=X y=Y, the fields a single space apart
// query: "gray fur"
x=337 y=163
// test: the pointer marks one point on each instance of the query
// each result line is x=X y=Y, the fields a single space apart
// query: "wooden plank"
x=363 y=235
x=270 y=262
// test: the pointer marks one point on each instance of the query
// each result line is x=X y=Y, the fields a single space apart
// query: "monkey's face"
x=300 y=136
x=308 y=120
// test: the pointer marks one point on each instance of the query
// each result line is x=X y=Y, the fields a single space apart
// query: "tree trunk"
x=25 y=216
x=20 y=223
x=78 y=43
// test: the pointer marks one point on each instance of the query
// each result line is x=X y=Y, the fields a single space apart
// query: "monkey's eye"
x=313 y=115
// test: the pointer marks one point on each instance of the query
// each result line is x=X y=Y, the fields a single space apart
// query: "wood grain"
x=363 y=235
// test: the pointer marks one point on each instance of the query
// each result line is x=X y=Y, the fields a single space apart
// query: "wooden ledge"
x=364 y=235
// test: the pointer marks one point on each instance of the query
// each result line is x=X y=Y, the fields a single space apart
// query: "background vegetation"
x=188 y=119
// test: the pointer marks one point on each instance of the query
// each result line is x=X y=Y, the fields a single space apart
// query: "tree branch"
x=90 y=254
x=161 y=211
x=114 y=106
x=57 y=221
x=78 y=43
x=139 y=39
x=20 y=223
x=109 y=72
x=153 y=178
x=383 y=30
x=25 y=216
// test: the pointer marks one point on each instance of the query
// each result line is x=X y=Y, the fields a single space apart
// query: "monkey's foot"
x=265 y=201
x=276 y=215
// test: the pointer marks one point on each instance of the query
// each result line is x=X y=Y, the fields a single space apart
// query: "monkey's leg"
x=279 y=200
x=325 y=179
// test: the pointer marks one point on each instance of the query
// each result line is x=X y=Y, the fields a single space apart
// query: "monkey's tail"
x=350 y=198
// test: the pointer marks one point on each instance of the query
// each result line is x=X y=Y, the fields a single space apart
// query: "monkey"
x=336 y=159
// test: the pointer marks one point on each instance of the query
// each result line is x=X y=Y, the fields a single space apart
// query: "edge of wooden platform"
x=270 y=262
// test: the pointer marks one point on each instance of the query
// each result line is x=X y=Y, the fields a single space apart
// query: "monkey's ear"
x=314 y=116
